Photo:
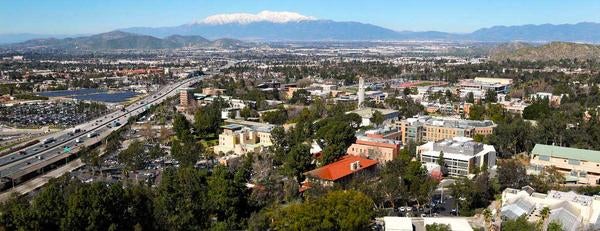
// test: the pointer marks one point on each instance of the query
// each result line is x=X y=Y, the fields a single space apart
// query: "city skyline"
x=71 y=17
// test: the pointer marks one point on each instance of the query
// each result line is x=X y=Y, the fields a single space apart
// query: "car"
x=401 y=209
x=423 y=215
x=408 y=209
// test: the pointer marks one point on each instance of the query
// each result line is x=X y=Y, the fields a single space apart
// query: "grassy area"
x=423 y=84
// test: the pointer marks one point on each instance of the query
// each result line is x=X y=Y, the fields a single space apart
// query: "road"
x=59 y=145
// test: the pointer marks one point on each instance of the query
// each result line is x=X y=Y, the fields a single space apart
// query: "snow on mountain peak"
x=263 y=16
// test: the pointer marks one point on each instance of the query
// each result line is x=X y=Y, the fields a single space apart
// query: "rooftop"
x=341 y=168
x=449 y=122
x=368 y=112
x=566 y=153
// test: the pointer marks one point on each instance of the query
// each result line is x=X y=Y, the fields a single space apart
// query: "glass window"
x=545 y=158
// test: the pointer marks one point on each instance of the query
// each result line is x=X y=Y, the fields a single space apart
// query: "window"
x=574 y=162
x=545 y=158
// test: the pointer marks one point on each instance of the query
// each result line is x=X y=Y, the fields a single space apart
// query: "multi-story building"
x=427 y=128
x=185 y=97
x=382 y=150
x=461 y=155
x=580 y=166
x=480 y=85
x=243 y=138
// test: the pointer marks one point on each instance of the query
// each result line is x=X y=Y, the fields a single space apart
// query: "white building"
x=573 y=211
x=390 y=116
x=461 y=155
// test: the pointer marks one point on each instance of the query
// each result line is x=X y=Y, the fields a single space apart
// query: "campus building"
x=243 y=138
x=480 y=85
x=573 y=211
x=427 y=128
x=380 y=149
x=340 y=171
x=390 y=116
x=580 y=166
x=461 y=155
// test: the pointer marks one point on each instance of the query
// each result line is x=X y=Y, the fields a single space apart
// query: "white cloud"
x=263 y=16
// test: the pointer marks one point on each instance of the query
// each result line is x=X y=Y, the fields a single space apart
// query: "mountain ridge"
x=550 y=51
x=123 y=40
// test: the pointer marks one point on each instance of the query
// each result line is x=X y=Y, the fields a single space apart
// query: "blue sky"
x=87 y=16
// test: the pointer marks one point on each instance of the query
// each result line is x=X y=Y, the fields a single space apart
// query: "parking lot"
x=67 y=113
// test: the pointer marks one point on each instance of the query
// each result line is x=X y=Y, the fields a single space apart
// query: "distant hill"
x=123 y=40
x=550 y=51
x=581 y=32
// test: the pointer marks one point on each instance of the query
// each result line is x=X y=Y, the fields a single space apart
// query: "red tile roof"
x=341 y=168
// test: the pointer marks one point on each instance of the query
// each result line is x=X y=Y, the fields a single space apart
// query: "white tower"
x=361 y=91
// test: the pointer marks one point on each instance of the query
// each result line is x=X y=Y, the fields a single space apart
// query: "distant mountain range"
x=327 y=30
x=124 y=40
x=286 y=26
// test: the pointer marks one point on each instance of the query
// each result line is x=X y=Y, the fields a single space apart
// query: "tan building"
x=185 y=97
x=580 y=166
x=427 y=128
x=212 y=91
x=241 y=139
x=382 y=150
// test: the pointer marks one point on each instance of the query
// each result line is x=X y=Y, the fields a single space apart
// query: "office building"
x=580 y=166
x=243 y=138
x=462 y=156
x=427 y=128
x=380 y=149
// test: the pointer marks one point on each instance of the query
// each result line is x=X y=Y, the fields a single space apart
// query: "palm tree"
x=487 y=216
x=545 y=213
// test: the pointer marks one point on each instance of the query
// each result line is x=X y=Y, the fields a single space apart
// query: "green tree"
x=297 y=161
x=512 y=174
x=519 y=224
x=377 y=118
x=470 y=98
x=278 y=116
x=226 y=197
x=554 y=226
x=180 y=202
x=323 y=213
x=182 y=127
x=134 y=157
x=437 y=227
x=187 y=152
x=442 y=163
x=477 y=112
x=491 y=96
x=336 y=136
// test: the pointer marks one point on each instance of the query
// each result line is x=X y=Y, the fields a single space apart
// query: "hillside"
x=550 y=51
x=124 y=40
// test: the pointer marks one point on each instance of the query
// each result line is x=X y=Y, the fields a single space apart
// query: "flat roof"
x=398 y=224
x=566 y=153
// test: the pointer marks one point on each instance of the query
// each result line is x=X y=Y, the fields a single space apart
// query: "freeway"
x=59 y=145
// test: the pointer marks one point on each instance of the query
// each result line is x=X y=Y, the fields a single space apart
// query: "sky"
x=95 y=16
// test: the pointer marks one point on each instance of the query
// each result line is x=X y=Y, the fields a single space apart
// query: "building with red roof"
x=341 y=170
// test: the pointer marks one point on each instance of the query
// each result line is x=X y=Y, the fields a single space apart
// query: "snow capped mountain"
x=263 y=16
